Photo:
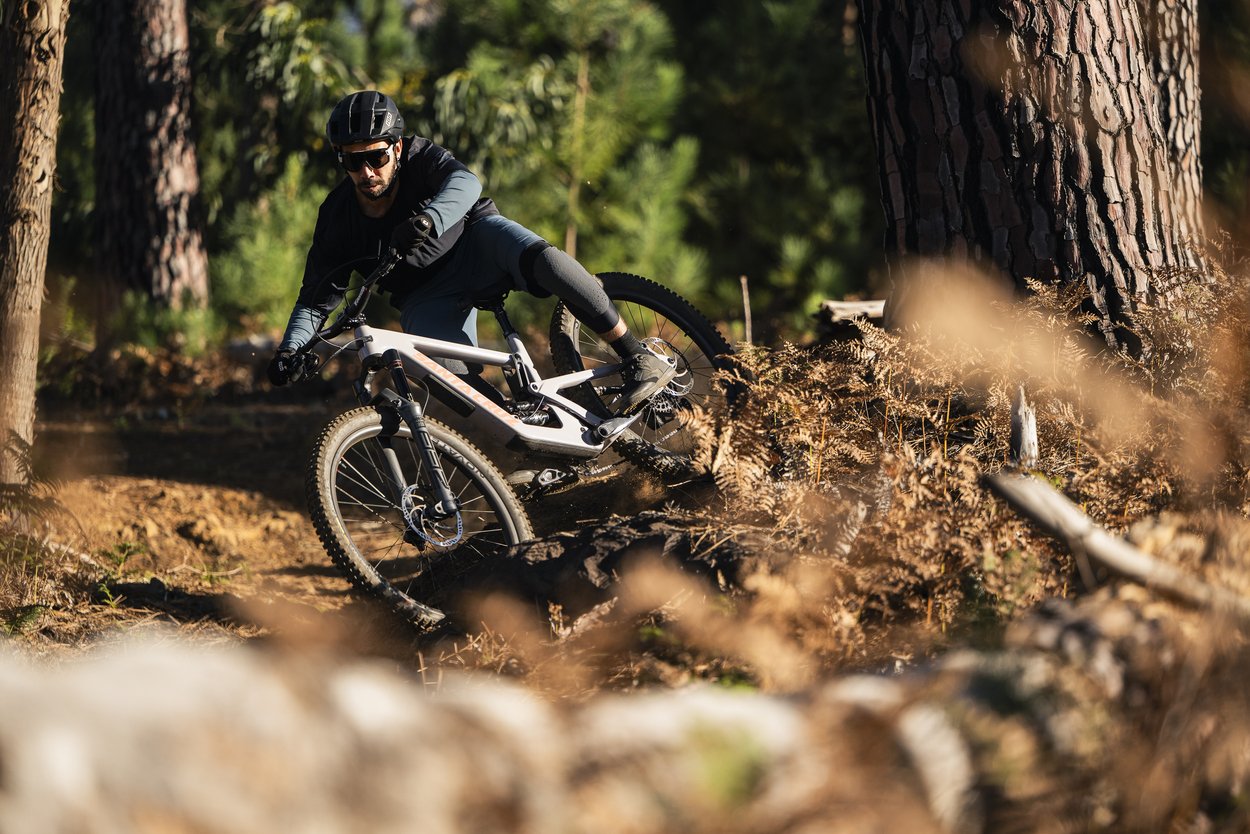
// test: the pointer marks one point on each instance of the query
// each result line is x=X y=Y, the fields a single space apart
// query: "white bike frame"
x=579 y=434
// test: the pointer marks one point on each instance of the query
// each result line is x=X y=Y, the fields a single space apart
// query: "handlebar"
x=352 y=311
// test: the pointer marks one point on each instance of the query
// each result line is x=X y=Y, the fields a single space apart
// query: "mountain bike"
x=404 y=504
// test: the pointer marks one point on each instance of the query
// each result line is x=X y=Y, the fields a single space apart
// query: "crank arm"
x=610 y=430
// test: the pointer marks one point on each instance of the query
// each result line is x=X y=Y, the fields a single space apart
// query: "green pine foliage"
x=691 y=145
x=787 y=172
x=649 y=221
x=500 y=118
x=266 y=78
x=255 y=282
x=564 y=109
x=690 y=142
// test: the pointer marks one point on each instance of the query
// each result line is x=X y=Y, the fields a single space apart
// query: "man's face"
x=372 y=183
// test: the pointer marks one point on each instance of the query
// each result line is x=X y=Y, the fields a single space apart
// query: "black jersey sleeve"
x=436 y=165
x=329 y=264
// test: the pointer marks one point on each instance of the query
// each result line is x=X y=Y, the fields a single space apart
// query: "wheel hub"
x=424 y=524
x=665 y=405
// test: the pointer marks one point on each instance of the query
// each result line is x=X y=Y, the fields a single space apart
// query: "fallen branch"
x=835 y=320
x=849 y=310
x=1058 y=517
x=1023 y=431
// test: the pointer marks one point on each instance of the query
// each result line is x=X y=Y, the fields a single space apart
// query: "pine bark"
x=1027 y=137
x=32 y=52
x=148 y=224
x=1172 y=32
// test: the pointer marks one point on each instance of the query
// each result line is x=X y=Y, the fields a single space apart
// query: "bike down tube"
x=574 y=440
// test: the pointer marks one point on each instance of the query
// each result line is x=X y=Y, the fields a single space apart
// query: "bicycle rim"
x=672 y=327
x=378 y=528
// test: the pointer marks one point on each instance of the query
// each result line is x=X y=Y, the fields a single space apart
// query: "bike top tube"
x=376 y=340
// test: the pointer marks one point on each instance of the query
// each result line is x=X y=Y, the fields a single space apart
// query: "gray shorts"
x=486 y=262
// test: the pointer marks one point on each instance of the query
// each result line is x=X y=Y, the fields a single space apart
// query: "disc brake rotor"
x=681 y=384
x=412 y=504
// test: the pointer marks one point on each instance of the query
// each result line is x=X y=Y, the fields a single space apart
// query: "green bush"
x=188 y=329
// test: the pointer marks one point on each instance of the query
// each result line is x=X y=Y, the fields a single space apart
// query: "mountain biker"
x=411 y=194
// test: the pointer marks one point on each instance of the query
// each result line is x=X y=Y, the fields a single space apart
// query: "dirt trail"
x=195 y=514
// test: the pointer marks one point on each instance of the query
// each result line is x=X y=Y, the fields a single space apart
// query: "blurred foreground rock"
x=1118 y=713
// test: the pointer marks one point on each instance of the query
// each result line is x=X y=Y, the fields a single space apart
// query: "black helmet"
x=364 y=117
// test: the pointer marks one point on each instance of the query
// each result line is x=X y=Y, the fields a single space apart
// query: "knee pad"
x=529 y=259
x=558 y=273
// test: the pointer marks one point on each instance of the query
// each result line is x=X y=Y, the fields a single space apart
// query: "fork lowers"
x=415 y=420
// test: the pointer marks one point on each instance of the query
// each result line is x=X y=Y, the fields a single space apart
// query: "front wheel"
x=660 y=440
x=373 y=507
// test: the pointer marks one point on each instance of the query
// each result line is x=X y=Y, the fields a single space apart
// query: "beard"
x=364 y=186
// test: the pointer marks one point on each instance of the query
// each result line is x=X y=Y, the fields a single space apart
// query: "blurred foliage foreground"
x=851 y=474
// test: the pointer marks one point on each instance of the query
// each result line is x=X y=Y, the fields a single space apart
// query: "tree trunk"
x=147 y=181
x=32 y=49
x=1172 y=32
x=1026 y=137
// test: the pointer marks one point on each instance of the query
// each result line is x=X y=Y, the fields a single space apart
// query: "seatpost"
x=411 y=414
x=512 y=375
x=501 y=315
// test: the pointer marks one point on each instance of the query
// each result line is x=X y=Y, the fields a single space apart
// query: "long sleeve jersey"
x=431 y=180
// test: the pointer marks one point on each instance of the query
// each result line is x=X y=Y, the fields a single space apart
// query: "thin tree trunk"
x=579 y=148
x=147 y=180
x=32 y=51
x=1026 y=137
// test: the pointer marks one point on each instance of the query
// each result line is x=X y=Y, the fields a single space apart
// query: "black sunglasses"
x=376 y=159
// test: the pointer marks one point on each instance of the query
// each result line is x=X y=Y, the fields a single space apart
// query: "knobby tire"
x=651 y=311
x=358 y=517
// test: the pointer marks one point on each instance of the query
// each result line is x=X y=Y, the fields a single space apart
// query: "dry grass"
x=855 y=467
x=858 y=466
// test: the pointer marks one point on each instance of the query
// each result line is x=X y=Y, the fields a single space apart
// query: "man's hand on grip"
x=289 y=366
x=411 y=233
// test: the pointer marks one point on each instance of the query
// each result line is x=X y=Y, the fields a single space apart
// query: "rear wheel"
x=372 y=504
x=670 y=326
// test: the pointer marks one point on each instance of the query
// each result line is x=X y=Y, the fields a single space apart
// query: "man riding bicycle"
x=410 y=194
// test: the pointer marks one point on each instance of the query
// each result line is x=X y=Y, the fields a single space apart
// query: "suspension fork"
x=402 y=402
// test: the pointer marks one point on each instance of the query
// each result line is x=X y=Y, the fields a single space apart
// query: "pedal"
x=533 y=483
x=611 y=428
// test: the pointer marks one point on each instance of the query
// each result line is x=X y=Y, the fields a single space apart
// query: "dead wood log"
x=1024 y=448
x=1060 y=518
x=850 y=310
x=835 y=320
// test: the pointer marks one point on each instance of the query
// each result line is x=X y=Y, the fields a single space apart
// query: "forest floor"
x=188 y=512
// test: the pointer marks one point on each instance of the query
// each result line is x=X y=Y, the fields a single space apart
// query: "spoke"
x=375 y=518
x=636 y=322
x=379 y=560
x=360 y=479
x=352 y=500
x=347 y=500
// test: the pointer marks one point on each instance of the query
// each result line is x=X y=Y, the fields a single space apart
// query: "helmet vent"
x=365 y=116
